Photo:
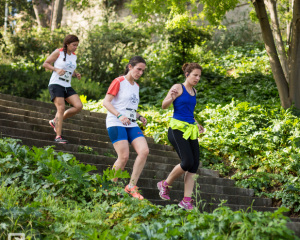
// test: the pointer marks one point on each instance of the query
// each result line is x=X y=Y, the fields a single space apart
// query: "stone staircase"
x=27 y=120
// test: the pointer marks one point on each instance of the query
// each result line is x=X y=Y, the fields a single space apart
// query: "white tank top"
x=126 y=101
x=69 y=66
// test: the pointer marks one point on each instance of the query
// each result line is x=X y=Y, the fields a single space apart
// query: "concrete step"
x=295 y=226
x=68 y=126
x=17 y=132
x=72 y=148
x=206 y=186
x=43 y=110
x=205 y=207
x=71 y=120
x=50 y=106
x=147 y=173
x=97 y=159
x=47 y=116
x=210 y=207
x=44 y=105
x=152 y=193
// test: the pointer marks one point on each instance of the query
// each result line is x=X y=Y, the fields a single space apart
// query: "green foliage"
x=108 y=47
x=213 y=10
x=52 y=196
x=22 y=81
x=87 y=150
x=33 y=43
x=240 y=36
x=110 y=154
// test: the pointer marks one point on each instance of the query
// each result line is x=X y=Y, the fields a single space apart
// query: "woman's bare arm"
x=173 y=93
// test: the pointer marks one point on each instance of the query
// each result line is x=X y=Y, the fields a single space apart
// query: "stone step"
x=94 y=159
x=147 y=173
x=210 y=207
x=47 y=116
x=101 y=151
x=17 y=132
x=151 y=193
x=66 y=126
x=203 y=187
x=68 y=132
x=44 y=105
x=48 y=111
x=295 y=226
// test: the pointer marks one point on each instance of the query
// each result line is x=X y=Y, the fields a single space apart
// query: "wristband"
x=139 y=118
x=119 y=116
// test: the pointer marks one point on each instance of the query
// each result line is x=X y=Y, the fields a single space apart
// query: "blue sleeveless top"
x=184 y=106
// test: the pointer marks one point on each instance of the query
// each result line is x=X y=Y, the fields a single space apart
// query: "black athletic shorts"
x=60 y=91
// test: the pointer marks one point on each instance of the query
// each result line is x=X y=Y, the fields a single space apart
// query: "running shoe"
x=134 y=192
x=186 y=205
x=163 y=191
x=60 y=139
x=52 y=124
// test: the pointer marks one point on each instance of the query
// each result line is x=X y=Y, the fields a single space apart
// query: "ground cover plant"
x=49 y=195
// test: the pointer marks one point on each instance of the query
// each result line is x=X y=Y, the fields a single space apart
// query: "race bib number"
x=131 y=114
x=67 y=77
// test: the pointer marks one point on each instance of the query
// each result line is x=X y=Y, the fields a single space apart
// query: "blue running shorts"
x=124 y=133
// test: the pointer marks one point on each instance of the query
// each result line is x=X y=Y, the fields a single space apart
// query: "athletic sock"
x=187 y=199
x=130 y=186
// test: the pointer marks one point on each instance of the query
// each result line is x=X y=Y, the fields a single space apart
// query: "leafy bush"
x=240 y=35
x=108 y=47
x=50 y=195
x=22 y=81
x=30 y=43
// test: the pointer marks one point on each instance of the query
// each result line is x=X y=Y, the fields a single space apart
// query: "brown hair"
x=134 y=61
x=189 y=67
x=69 y=39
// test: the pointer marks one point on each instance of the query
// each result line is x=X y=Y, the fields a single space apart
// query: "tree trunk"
x=42 y=13
x=278 y=74
x=57 y=14
x=289 y=24
x=295 y=56
x=271 y=5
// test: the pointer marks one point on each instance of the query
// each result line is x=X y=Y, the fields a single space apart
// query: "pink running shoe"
x=186 y=205
x=52 y=124
x=163 y=191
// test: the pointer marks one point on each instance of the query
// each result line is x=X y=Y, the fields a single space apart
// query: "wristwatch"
x=139 y=118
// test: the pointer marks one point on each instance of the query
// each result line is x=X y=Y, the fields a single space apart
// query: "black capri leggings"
x=188 y=150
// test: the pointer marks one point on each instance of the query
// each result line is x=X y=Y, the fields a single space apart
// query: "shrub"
x=22 y=81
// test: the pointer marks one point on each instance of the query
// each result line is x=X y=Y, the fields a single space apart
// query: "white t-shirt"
x=126 y=101
x=69 y=66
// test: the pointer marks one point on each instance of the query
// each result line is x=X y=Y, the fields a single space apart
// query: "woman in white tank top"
x=121 y=101
x=60 y=89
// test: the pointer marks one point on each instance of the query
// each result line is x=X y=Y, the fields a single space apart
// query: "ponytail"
x=65 y=51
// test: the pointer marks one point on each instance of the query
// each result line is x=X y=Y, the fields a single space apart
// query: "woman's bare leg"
x=60 y=106
x=122 y=149
x=141 y=147
x=75 y=101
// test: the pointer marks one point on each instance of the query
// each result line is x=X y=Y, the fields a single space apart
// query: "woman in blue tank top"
x=183 y=134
